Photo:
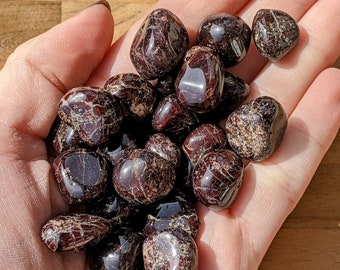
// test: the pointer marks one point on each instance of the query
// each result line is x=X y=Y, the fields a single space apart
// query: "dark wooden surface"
x=309 y=238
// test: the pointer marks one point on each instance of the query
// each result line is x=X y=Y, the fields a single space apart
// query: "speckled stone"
x=81 y=175
x=121 y=250
x=166 y=84
x=228 y=35
x=199 y=83
x=74 y=231
x=143 y=177
x=173 y=212
x=160 y=144
x=64 y=137
x=135 y=94
x=256 y=129
x=168 y=250
x=159 y=44
x=217 y=178
x=275 y=33
x=173 y=119
x=202 y=139
x=92 y=112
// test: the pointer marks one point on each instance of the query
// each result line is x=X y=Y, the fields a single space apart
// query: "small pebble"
x=170 y=250
x=202 y=139
x=143 y=177
x=228 y=35
x=217 y=178
x=135 y=94
x=74 y=231
x=256 y=129
x=81 y=175
x=199 y=83
x=92 y=112
x=159 y=44
x=275 y=33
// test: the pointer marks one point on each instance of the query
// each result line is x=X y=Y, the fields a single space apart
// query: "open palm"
x=79 y=51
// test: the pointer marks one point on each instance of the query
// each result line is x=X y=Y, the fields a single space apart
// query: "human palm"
x=79 y=52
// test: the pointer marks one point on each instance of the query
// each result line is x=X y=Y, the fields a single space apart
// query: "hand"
x=79 y=52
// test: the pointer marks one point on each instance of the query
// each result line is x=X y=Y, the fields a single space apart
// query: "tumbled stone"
x=199 y=83
x=256 y=129
x=121 y=250
x=173 y=212
x=161 y=145
x=159 y=44
x=217 y=178
x=174 y=249
x=64 y=137
x=135 y=94
x=81 y=175
x=173 y=119
x=204 y=138
x=74 y=231
x=228 y=35
x=143 y=177
x=92 y=112
x=275 y=33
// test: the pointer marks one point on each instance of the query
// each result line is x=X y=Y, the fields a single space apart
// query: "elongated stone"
x=159 y=44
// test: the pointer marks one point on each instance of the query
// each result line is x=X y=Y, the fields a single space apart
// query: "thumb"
x=37 y=74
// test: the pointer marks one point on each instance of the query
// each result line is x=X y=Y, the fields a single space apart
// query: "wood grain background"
x=309 y=238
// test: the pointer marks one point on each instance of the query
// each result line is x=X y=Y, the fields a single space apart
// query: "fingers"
x=273 y=188
x=39 y=71
x=318 y=48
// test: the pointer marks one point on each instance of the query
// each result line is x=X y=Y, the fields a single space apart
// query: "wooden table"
x=310 y=237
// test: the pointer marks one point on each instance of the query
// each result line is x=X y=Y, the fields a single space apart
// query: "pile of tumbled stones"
x=132 y=158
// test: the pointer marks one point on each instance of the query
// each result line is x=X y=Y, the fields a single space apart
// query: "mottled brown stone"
x=275 y=33
x=143 y=177
x=199 y=83
x=166 y=250
x=159 y=44
x=256 y=129
x=217 y=178
x=135 y=94
x=228 y=35
x=74 y=231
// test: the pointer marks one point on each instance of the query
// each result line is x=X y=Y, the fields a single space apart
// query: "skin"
x=41 y=70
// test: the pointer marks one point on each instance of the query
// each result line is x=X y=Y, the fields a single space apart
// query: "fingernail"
x=102 y=2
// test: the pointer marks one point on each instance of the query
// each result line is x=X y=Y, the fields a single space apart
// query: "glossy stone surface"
x=112 y=207
x=64 y=137
x=143 y=177
x=172 y=118
x=92 y=112
x=121 y=250
x=228 y=35
x=217 y=178
x=166 y=84
x=235 y=91
x=160 y=144
x=81 y=175
x=135 y=94
x=199 y=83
x=112 y=150
x=159 y=44
x=256 y=129
x=202 y=139
x=167 y=250
x=74 y=231
x=173 y=212
x=275 y=33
